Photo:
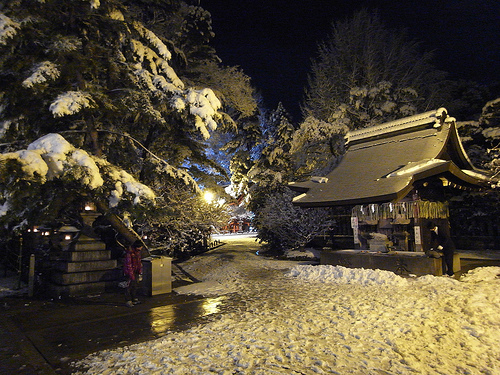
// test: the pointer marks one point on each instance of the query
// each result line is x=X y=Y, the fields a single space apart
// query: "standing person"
x=132 y=268
x=441 y=241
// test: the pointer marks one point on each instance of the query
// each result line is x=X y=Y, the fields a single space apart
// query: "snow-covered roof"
x=390 y=128
x=383 y=163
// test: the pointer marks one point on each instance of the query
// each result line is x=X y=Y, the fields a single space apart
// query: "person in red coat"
x=132 y=268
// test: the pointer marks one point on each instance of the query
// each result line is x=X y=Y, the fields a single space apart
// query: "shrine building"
x=396 y=177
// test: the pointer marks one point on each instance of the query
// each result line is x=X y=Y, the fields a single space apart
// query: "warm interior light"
x=89 y=206
x=67 y=237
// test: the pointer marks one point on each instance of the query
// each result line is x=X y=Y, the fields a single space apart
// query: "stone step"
x=89 y=245
x=84 y=256
x=80 y=289
x=83 y=277
x=96 y=265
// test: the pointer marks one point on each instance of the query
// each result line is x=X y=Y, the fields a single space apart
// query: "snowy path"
x=322 y=319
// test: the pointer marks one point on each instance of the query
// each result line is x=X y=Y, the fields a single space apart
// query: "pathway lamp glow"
x=209 y=197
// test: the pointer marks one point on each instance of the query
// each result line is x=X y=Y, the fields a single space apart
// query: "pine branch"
x=157 y=158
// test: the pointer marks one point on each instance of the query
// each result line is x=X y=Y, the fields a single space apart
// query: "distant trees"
x=361 y=54
x=133 y=82
x=475 y=215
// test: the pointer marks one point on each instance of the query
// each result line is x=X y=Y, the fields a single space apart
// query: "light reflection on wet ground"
x=165 y=318
x=63 y=332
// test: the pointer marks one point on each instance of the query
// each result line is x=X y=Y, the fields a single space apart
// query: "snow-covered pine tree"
x=273 y=166
x=119 y=79
x=481 y=138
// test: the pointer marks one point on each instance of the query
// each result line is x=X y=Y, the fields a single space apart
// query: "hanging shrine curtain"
x=402 y=210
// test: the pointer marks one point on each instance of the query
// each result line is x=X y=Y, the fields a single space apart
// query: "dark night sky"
x=274 y=40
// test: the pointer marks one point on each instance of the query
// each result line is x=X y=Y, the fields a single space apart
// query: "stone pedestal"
x=84 y=265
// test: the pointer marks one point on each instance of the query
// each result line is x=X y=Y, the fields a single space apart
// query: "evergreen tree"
x=273 y=166
x=283 y=226
x=481 y=138
x=317 y=146
x=123 y=80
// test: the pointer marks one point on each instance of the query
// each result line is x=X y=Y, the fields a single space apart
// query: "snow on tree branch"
x=42 y=72
x=176 y=173
x=153 y=69
x=94 y=4
x=8 y=28
x=154 y=40
x=51 y=156
x=159 y=76
x=70 y=102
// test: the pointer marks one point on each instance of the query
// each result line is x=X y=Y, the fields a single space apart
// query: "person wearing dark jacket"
x=132 y=269
x=441 y=242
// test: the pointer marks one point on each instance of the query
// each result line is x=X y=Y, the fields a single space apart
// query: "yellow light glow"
x=89 y=206
x=208 y=196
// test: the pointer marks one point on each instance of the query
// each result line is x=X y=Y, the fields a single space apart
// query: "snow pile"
x=301 y=254
x=343 y=275
x=311 y=325
x=10 y=286
x=485 y=274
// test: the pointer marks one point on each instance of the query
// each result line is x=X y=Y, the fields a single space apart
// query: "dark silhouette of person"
x=441 y=242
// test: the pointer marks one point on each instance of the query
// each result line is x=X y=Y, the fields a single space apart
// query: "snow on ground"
x=303 y=319
x=10 y=286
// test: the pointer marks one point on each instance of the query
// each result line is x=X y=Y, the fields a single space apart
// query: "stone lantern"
x=67 y=235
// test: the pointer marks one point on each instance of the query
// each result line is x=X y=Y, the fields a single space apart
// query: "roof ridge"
x=435 y=116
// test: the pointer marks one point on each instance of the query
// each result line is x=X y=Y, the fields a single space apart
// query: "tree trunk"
x=117 y=223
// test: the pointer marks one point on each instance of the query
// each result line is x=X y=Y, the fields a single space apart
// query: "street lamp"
x=209 y=197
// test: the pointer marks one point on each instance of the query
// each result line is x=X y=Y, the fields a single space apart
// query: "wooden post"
x=19 y=263
x=31 y=279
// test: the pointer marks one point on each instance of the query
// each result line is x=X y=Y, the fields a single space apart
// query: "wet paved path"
x=43 y=337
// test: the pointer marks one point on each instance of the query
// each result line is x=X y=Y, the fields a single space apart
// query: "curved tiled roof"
x=382 y=163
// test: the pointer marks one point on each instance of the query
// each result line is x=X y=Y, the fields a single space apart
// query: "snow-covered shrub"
x=283 y=226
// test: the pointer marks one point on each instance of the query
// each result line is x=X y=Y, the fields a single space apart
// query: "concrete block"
x=401 y=263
